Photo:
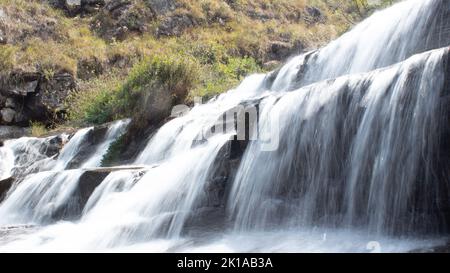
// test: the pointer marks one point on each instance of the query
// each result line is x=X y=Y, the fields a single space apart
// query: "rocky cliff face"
x=29 y=96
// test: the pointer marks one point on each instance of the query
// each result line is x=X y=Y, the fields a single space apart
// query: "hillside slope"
x=93 y=61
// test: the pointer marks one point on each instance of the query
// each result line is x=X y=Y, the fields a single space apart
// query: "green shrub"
x=172 y=71
x=113 y=98
x=221 y=77
x=113 y=152
x=95 y=100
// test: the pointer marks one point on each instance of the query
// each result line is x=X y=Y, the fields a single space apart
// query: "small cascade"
x=27 y=154
x=39 y=198
x=7 y=163
x=69 y=151
x=47 y=188
x=114 y=132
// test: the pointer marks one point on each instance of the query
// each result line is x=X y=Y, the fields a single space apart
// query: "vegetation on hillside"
x=190 y=48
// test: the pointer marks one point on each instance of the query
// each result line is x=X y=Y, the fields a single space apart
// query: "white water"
x=28 y=154
x=7 y=163
x=22 y=154
x=345 y=172
x=116 y=130
x=385 y=38
x=389 y=116
x=38 y=197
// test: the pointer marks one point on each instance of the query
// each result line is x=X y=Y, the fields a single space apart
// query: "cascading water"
x=47 y=188
x=353 y=151
x=352 y=159
x=385 y=38
x=7 y=163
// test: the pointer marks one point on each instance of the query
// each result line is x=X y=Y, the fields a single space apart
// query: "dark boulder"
x=19 y=83
x=53 y=146
x=89 y=181
x=87 y=184
x=211 y=210
x=74 y=206
x=5 y=186
x=86 y=149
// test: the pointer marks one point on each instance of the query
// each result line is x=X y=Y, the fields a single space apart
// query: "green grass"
x=7 y=57
x=222 y=76
x=38 y=129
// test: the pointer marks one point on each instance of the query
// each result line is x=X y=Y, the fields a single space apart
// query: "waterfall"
x=356 y=150
x=348 y=145
x=7 y=163
x=385 y=38
x=39 y=197
x=46 y=191
x=116 y=130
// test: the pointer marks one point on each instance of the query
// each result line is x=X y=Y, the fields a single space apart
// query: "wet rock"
x=87 y=184
x=271 y=77
x=9 y=132
x=5 y=185
x=89 y=181
x=210 y=211
x=74 y=206
x=93 y=138
x=53 y=146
